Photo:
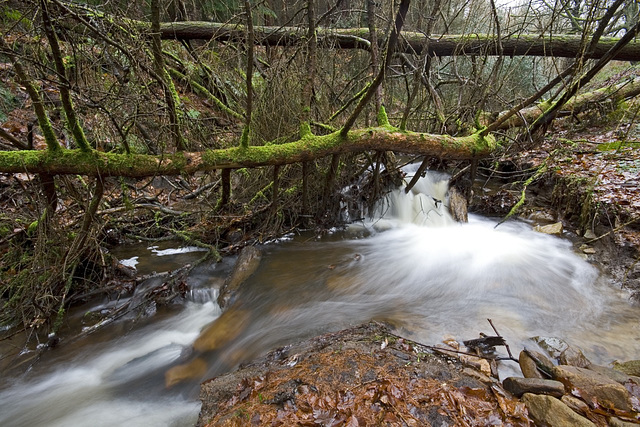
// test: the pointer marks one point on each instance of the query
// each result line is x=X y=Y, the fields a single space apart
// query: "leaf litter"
x=348 y=379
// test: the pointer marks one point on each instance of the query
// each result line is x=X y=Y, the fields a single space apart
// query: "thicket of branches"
x=96 y=76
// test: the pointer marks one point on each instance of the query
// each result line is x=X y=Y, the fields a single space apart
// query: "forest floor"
x=359 y=376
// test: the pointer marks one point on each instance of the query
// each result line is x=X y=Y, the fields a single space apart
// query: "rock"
x=617 y=376
x=594 y=388
x=553 y=346
x=543 y=363
x=473 y=373
x=528 y=366
x=547 y=410
x=458 y=205
x=195 y=369
x=574 y=357
x=541 y=216
x=451 y=342
x=247 y=263
x=589 y=235
x=480 y=364
x=587 y=249
x=519 y=386
x=554 y=229
x=632 y=367
x=215 y=336
x=222 y=330
x=617 y=422
x=575 y=404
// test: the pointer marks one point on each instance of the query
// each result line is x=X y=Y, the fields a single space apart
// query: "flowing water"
x=410 y=265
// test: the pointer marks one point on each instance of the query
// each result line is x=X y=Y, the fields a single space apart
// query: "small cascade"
x=426 y=204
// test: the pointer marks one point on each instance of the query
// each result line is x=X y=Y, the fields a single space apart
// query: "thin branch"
x=533 y=98
x=551 y=113
x=13 y=140
x=63 y=82
x=38 y=104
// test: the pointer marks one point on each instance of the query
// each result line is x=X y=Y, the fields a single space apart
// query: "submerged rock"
x=219 y=333
x=222 y=330
x=247 y=263
x=552 y=345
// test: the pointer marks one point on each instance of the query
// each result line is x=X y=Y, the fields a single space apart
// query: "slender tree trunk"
x=170 y=93
x=305 y=191
x=63 y=81
x=373 y=38
x=226 y=189
x=330 y=183
x=244 y=140
x=391 y=45
x=275 y=190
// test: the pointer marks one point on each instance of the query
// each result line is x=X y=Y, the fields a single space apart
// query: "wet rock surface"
x=597 y=395
x=519 y=386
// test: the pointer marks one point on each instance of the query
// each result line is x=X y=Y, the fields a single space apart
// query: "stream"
x=410 y=266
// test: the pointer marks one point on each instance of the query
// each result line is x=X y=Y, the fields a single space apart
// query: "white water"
x=411 y=266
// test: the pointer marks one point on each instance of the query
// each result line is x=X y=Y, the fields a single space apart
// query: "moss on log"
x=95 y=163
x=626 y=89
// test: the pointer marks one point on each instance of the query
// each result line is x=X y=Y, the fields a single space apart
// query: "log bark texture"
x=561 y=45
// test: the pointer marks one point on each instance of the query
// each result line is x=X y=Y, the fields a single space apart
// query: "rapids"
x=410 y=265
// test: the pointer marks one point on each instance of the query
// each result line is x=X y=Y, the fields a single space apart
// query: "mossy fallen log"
x=310 y=147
